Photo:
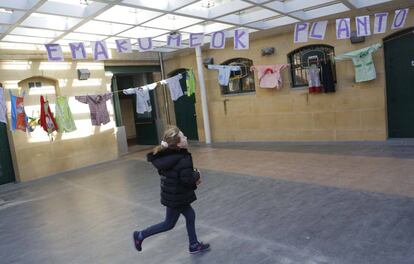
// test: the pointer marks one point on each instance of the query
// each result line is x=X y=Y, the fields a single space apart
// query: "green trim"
x=132 y=69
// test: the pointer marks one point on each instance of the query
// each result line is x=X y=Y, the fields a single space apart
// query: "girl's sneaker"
x=199 y=247
x=137 y=241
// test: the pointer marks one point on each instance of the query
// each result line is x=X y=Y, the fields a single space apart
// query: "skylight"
x=32 y=23
x=128 y=15
x=172 y=22
x=103 y=28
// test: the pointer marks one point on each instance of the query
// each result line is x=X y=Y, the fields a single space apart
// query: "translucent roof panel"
x=102 y=28
x=3 y=29
x=207 y=28
x=260 y=1
x=25 y=39
x=281 y=21
x=248 y=16
x=128 y=15
x=10 y=17
x=142 y=32
x=84 y=37
x=163 y=38
x=172 y=22
x=295 y=5
x=50 y=21
x=70 y=8
x=213 y=9
x=320 y=12
x=163 y=5
x=365 y=3
x=36 y=32
x=18 y=4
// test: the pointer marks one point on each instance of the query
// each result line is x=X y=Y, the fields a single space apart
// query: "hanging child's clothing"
x=63 y=115
x=174 y=86
x=269 y=75
x=143 y=100
x=328 y=82
x=314 y=79
x=47 y=121
x=363 y=62
x=190 y=82
x=18 y=115
x=97 y=107
x=224 y=72
x=3 y=107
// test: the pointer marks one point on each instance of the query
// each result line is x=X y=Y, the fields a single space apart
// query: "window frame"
x=239 y=61
x=35 y=84
x=328 y=51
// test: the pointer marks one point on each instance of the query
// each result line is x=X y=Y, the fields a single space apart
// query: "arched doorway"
x=184 y=107
x=399 y=68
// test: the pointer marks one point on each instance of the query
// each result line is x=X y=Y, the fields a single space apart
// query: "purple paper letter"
x=221 y=37
x=318 y=30
x=399 y=18
x=343 y=25
x=301 y=32
x=100 y=52
x=145 y=44
x=123 y=45
x=176 y=38
x=363 y=26
x=241 y=39
x=196 y=39
x=54 y=52
x=78 y=50
x=380 y=23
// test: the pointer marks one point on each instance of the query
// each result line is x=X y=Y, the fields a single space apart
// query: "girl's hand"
x=199 y=180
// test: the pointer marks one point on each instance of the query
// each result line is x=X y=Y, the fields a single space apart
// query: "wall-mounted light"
x=268 y=51
x=84 y=2
x=207 y=61
x=83 y=74
x=6 y=10
x=207 y=3
x=355 y=39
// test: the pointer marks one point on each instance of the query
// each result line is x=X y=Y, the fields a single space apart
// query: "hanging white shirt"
x=143 y=103
x=174 y=85
x=224 y=72
x=3 y=108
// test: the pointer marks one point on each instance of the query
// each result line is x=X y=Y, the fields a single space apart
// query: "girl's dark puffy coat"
x=178 y=178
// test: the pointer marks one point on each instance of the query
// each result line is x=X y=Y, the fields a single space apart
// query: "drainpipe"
x=164 y=92
x=204 y=105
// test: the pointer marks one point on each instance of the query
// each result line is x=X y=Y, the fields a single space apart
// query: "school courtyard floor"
x=261 y=203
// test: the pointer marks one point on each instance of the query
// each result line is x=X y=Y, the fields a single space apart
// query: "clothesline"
x=162 y=82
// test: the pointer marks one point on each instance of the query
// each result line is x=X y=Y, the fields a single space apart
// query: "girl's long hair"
x=171 y=137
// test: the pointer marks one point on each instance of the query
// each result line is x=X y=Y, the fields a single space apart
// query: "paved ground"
x=258 y=203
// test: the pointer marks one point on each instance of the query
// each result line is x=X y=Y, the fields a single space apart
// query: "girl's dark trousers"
x=171 y=218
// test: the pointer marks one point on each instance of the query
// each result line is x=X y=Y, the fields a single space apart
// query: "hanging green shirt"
x=363 y=62
x=63 y=116
x=191 y=82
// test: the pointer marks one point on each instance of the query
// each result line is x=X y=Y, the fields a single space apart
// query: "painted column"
x=204 y=105
x=164 y=92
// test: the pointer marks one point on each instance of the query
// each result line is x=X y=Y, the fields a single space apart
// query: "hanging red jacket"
x=47 y=121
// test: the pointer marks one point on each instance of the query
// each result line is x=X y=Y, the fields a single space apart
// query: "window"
x=35 y=85
x=300 y=59
x=240 y=81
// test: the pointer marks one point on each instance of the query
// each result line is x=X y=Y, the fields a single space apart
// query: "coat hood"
x=166 y=159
